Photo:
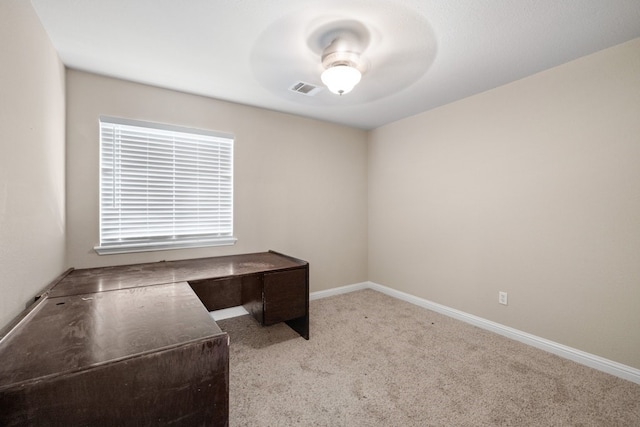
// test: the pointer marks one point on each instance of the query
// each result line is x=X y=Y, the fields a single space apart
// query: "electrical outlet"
x=502 y=298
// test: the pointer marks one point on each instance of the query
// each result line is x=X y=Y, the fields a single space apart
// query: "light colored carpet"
x=373 y=360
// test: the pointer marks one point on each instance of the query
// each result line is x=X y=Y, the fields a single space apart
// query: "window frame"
x=168 y=134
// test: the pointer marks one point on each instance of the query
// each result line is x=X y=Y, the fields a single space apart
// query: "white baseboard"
x=596 y=362
x=339 y=291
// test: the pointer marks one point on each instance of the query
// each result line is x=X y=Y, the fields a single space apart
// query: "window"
x=163 y=187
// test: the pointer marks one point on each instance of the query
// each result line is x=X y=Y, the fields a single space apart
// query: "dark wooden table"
x=135 y=345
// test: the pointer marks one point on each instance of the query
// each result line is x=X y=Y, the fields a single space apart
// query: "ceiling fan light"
x=341 y=79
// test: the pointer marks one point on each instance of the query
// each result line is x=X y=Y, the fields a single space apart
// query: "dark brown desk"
x=135 y=345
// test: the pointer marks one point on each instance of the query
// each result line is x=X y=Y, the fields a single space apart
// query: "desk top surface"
x=101 y=315
x=71 y=333
x=102 y=279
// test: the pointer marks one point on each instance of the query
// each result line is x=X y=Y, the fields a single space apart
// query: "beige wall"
x=532 y=188
x=32 y=217
x=300 y=184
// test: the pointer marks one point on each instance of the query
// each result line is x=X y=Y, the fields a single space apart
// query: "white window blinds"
x=163 y=187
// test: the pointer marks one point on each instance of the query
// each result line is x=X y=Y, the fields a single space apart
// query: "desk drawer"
x=285 y=295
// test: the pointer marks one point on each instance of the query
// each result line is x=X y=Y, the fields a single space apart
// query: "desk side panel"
x=183 y=386
x=285 y=295
x=252 y=298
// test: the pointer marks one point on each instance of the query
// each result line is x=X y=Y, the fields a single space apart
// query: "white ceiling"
x=420 y=54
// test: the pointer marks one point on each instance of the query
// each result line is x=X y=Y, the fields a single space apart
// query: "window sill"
x=162 y=246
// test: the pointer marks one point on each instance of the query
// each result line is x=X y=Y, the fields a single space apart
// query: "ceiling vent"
x=305 y=88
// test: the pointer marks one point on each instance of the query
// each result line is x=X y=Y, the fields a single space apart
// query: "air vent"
x=305 y=88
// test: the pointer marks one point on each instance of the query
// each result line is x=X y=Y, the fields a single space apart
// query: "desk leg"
x=300 y=325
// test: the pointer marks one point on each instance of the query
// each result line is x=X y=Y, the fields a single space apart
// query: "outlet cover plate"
x=502 y=298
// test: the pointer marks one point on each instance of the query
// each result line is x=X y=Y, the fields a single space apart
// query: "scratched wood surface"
x=91 y=280
x=186 y=385
x=66 y=334
x=135 y=344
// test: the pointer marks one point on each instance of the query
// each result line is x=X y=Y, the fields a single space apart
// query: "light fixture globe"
x=343 y=67
x=341 y=79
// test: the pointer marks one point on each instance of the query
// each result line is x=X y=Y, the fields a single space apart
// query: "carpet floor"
x=373 y=360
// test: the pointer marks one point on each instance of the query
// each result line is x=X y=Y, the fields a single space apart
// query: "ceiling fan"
x=327 y=52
